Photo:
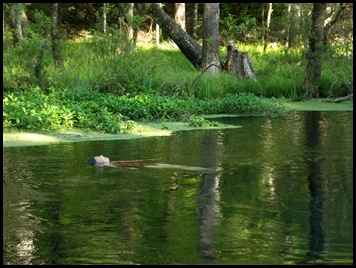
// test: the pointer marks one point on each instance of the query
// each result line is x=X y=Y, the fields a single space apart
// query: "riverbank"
x=14 y=138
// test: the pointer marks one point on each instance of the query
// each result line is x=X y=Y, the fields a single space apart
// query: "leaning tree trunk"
x=239 y=63
x=190 y=48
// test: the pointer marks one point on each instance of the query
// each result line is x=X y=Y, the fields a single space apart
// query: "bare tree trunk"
x=179 y=14
x=211 y=38
x=314 y=56
x=295 y=24
x=18 y=20
x=303 y=25
x=132 y=29
x=239 y=63
x=292 y=26
x=56 y=49
x=129 y=16
x=190 y=48
x=39 y=67
x=266 y=34
x=104 y=18
x=157 y=34
x=191 y=15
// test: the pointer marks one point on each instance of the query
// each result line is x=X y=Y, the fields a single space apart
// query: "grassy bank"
x=107 y=86
x=109 y=65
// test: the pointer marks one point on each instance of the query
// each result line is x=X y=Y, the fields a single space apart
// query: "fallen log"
x=337 y=100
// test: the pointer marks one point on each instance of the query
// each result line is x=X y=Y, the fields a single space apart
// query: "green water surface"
x=281 y=192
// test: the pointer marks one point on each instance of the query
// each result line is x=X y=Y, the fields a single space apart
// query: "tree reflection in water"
x=209 y=197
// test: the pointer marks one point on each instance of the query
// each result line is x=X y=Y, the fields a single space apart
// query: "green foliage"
x=109 y=113
x=106 y=83
x=107 y=64
x=19 y=62
x=232 y=28
x=34 y=110
x=200 y=121
x=40 y=27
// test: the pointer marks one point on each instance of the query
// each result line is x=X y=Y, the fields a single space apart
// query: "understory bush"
x=111 y=113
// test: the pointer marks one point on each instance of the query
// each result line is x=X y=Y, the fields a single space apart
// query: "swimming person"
x=105 y=161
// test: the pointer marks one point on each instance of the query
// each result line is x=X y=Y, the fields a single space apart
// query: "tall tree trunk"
x=190 y=48
x=191 y=18
x=211 y=38
x=18 y=20
x=266 y=33
x=314 y=55
x=3 y=21
x=104 y=18
x=292 y=25
x=56 y=48
x=157 y=34
x=179 y=14
x=304 y=25
x=130 y=23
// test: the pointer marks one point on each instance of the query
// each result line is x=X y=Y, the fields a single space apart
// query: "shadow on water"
x=316 y=184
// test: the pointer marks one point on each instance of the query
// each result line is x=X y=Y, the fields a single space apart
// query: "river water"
x=278 y=190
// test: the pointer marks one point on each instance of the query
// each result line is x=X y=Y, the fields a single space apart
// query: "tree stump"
x=239 y=63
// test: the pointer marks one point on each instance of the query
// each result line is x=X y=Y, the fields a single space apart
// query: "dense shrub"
x=110 y=113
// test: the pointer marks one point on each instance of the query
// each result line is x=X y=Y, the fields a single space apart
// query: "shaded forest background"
x=279 y=27
x=239 y=22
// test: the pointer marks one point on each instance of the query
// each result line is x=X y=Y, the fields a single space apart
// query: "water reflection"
x=315 y=180
x=281 y=194
x=209 y=197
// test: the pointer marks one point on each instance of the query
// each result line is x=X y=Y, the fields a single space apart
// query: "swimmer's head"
x=99 y=160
